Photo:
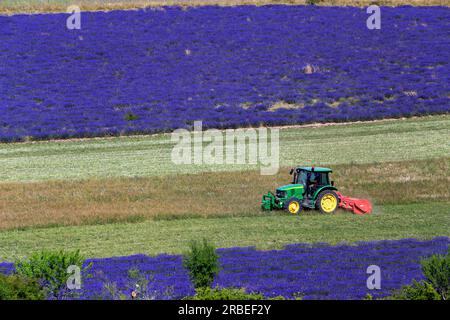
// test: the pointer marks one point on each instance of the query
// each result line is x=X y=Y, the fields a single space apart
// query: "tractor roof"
x=316 y=169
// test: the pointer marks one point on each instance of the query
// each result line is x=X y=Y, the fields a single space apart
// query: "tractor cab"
x=312 y=179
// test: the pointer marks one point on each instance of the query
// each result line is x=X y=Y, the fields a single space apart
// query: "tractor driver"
x=313 y=182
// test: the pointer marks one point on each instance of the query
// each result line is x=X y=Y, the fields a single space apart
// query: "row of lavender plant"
x=143 y=71
x=310 y=271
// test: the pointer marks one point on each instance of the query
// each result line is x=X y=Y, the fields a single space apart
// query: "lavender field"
x=127 y=205
x=128 y=72
x=310 y=271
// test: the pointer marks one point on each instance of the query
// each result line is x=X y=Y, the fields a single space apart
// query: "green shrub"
x=50 y=269
x=207 y=293
x=436 y=285
x=313 y=2
x=417 y=291
x=202 y=263
x=15 y=287
x=130 y=116
x=436 y=270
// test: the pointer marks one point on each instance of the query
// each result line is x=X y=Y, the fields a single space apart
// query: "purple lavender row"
x=316 y=271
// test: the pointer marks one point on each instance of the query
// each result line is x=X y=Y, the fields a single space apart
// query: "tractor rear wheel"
x=327 y=201
x=293 y=206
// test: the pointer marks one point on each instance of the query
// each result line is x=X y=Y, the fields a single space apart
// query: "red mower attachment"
x=357 y=206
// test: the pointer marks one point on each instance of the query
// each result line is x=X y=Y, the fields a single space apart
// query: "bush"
x=436 y=285
x=202 y=263
x=50 y=269
x=15 y=287
x=436 y=270
x=207 y=293
x=313 y=2
x=130 y=117
x=418 y=291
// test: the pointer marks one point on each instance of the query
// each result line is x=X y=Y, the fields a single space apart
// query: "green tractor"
x=311 y=188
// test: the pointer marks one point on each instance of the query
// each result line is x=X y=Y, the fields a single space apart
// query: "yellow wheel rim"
x=294 y=206
x=328 y=203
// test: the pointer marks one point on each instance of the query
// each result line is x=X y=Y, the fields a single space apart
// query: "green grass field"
x=268 y=231
x=119 y=196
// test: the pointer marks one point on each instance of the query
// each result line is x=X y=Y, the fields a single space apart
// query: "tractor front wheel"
x=293 y=206
x=327 y=201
